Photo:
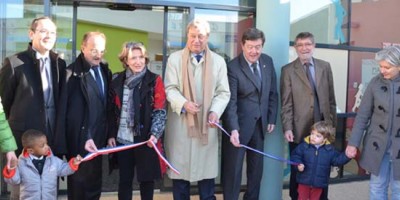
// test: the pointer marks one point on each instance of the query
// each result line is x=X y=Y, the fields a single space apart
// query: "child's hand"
x=300 y=167
x=77 y=160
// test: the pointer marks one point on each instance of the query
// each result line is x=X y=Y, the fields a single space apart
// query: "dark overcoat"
x=78 y=106
x=22 y=93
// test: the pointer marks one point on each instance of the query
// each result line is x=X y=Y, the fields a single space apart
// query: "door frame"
x=122 y=3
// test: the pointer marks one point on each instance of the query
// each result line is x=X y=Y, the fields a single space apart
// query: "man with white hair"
x=197 y=91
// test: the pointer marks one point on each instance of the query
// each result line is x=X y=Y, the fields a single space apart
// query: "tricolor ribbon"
x=255 y=150
x=108 y=150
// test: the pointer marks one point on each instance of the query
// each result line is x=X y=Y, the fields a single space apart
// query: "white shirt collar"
x=311 y=62
x=249 y=63
x=194 y=54
x=39 y=56
x=35 y=157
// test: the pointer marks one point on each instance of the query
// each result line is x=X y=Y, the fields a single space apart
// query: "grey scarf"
x=133 y=82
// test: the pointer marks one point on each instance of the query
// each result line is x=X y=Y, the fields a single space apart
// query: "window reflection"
x=226 y=30
x=326 y=19
x=15 y=19
x=249 y=3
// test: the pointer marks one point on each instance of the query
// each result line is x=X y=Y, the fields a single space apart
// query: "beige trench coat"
x=194 y=160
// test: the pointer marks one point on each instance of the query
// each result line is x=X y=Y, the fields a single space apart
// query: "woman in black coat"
x=137 y=114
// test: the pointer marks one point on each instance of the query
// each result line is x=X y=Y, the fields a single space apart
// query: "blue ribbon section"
x=257 y=151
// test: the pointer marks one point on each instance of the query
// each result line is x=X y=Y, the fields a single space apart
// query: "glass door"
x=128 y=22
x=120 y=22
x=162 y=29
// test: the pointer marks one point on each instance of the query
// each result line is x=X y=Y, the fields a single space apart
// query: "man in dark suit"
x=30 y=84
x=251 y=112
x=307 y=96
x=85 y=100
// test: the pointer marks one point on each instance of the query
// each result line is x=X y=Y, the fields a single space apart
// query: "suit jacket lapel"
x=54 y=77
x=318 y=72
x=247 y=72
x=92 y=83
x=37 y=79
x=301 y=72
x=264 y=72
x=105 y=83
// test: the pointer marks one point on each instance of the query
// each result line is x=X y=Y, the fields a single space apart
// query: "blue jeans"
x=379 y=185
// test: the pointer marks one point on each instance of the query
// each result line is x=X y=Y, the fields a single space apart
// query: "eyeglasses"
x=304 y=44
x=95 y=52
x=251 y=47
x=46 y=32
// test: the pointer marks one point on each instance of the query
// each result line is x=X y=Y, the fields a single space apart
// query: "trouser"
x=181 y=189
x=232 y=164
x=127 y=163
x=379 y=185
x=309 y=193
x=85 y=184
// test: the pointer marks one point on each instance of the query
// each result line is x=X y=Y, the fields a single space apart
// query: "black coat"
x=22 y=94
x=80 y=104
x=146 y=107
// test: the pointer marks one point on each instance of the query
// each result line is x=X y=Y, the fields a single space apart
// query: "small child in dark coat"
x=316 y=155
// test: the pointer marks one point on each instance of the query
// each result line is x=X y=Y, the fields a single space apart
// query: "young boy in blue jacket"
x=38 y=169
x=316 y=155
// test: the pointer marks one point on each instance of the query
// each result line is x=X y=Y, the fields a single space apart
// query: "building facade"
x=347 y=33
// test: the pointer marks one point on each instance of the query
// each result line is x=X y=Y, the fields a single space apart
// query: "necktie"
x=256 y=74
x=317 y=112
x=45 y=76
x=198 y=57
x=96 y=70
x=39 y=163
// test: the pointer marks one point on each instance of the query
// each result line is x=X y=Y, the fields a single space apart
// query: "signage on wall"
x=387 y=44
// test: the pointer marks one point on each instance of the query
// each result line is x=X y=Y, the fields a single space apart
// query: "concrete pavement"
x=356 y=190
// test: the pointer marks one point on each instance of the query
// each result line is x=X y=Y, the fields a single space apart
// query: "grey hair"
x=200 y=24
x=389 y=54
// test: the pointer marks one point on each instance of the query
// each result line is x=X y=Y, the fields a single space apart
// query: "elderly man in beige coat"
x=197 y=91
